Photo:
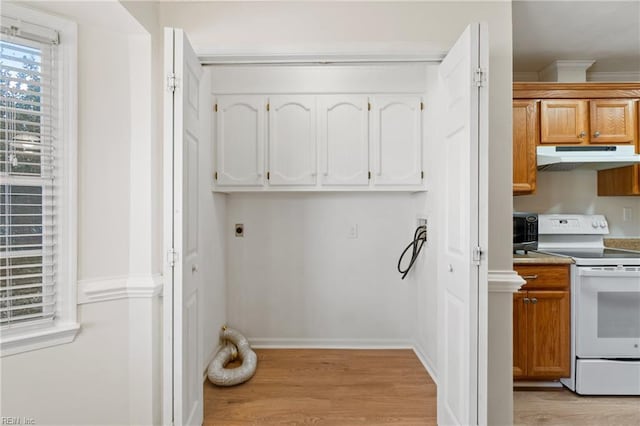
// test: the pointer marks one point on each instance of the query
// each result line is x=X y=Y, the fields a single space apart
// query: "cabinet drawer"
x=544 y=276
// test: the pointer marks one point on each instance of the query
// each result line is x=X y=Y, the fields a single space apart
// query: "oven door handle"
x=618 y=272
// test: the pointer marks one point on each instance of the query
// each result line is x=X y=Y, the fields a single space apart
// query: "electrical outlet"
x=627 y=214
x=352 y=232
x=239 y=228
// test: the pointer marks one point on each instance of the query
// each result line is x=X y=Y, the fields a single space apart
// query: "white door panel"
x=183 y=129
x=458 y=273
x=292 y=140
x=344 y=139
x=396 y=123
x=240 y=132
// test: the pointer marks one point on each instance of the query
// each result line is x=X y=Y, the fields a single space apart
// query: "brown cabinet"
x=623 y=180
x=564 y=121
x=525 y=139
x=579 y=121
x=541 y=323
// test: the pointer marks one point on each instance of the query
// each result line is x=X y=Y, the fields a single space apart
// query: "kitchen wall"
x=576 y=192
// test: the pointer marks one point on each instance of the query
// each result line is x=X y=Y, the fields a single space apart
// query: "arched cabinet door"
x=292 y=140
x=240 y=140
x=396 y=123
x=344 y=139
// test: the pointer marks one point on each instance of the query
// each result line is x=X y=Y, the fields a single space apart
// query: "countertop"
x=623 y=243
x=540 y=259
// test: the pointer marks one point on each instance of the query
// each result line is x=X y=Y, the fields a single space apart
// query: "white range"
x=605 y=304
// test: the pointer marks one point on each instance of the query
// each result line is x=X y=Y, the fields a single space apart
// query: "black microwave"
x=525 y=231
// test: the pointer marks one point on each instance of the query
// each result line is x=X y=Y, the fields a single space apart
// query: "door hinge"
x=267 y=107
x=479 y=77
x=215 y=175
x=268 y=175
x=422 y=174
x=215 y=108
x=171 y=82
x=421 y=106
x=172 y=257
x=369 y=106
x=369 y=176
x=476 y=255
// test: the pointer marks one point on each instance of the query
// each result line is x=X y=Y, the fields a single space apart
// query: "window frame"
x=64 y=328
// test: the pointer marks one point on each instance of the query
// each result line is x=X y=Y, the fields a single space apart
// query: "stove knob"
x=594 y=223
x=603 y=224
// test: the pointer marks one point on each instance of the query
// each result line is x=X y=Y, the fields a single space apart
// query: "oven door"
x=607 y=312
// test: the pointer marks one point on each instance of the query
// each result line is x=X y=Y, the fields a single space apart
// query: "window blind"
x=28 y=177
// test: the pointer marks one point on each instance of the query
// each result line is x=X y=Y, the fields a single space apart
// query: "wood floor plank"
x=562 y=408
x=327 y=387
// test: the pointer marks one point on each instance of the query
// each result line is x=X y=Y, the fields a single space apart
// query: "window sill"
x=57 y=334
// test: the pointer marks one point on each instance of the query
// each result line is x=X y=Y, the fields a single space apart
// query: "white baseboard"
x=427 y=362
x=295 y=343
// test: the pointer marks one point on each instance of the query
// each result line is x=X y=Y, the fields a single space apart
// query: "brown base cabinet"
x=541 y=323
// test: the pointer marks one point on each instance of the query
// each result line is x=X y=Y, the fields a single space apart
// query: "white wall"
x=106 y=375
x=576 y=192
x=295 y=277
x=84 y=382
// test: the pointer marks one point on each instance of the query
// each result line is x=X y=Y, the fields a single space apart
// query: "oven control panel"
x=565 y=224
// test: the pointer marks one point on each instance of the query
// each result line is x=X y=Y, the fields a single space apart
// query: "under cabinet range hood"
x=562 y=158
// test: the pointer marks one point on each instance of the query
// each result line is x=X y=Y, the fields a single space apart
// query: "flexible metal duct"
x=236 y=346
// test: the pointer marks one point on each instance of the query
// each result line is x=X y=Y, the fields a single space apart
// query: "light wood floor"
x=327 y=387
x=562 y=407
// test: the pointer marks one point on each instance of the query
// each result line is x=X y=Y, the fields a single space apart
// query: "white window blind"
x=28 y=171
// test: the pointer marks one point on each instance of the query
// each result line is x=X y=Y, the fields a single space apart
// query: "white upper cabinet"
x=240 y=131
x=292 y=140
x=396 y=123
x=344 y=139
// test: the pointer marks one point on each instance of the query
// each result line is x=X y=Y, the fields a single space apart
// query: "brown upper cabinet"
x=579 y=121
x=575 y=114
x=525 y=139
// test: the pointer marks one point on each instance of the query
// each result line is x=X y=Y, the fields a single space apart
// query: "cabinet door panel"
x=397 y=140
x=519 y=335
x=548 y=317
x=344 y=134
x=525 y=139
x=292 y=140
x=613 y=121
x=564 y=121
x=240 y=140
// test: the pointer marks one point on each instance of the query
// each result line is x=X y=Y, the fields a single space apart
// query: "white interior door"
x=183 y=143
x=463 y=192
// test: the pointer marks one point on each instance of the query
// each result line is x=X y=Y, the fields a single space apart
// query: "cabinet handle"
x=596 y=134
x=534 y=300
x=526 y=300
x=582 y=134
x=530 y=277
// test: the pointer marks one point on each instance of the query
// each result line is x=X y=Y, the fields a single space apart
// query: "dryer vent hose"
x=235 y=346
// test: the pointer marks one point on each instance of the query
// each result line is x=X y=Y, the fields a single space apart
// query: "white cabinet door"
x=396 y=123
x=240 y=140
x=292 y=140
x=344 y=139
